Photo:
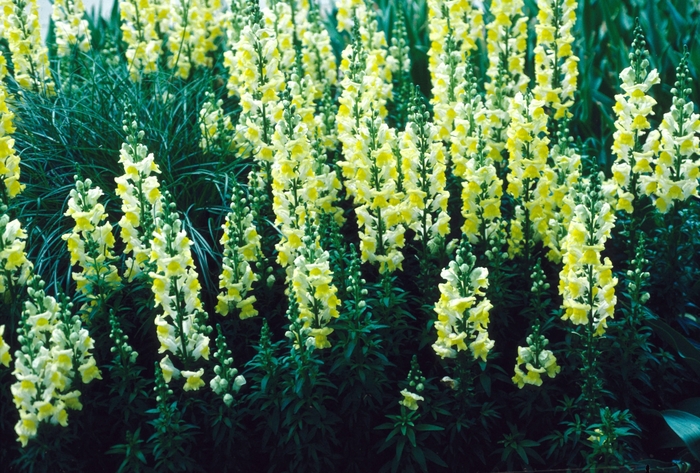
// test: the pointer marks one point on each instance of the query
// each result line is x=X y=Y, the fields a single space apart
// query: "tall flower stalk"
x=139 y=191
x=633 y=153
x=30 y=56
x=55 y=348
x=241 y=244
x=586 y=282
x=181 y=324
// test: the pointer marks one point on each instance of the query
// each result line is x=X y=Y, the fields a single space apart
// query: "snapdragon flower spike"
x=318 y=59
x=586 y=282
x=416 y=385
x=481 y=187
x=423 y=163
x=554 y=186
x=191 y=29
x=227 y=381
x=255 y=77
x=359 y=19
x=139 y=191
x=370 y=171
x=215 y=126
x=15 y=268
x=369 y=165
x=140 y=32
x=90 y=245
x=298 y=145
x=506 y=45
x=54 y=349
x=537 y=360
x=314 y=291
x=254 y=59
x=30 y=57
x=241 y=244
x=292 y=167
x=556 y=66
x=528 y=149
x=10 y=185
x=463 y=309
x=181 y=322
x=124 y=354
x=455 y=26
x=633 y=154
x=283 y=23
x=676 y=172
x=72 y=31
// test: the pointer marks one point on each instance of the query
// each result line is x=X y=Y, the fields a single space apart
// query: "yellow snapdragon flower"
x=633 y=154
x=463 y=309
x=181 y=323
x=54 y=343
x=506 y=44
x=14 y=265
x=586 y=282
x=140 y=32
x=139 y=190
x=535 y=366
x=482 y=189
x=455 y=26
x=528 y=149
x=677 y=168
x=21 y=29
x=90 y=244
x=241 y=244
x=5 y=357
x=369 y=164
x=423 y=163
x=72 y=31
x=556 y=68
x=192 y=29
x=314 y=291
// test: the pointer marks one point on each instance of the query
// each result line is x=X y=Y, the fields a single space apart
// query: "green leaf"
x=417 y=454
x=687 y=427
x=428 y=428
x=691 y=406
x=685 y=349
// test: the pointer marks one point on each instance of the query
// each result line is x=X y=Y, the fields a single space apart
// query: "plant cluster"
x=268 y=236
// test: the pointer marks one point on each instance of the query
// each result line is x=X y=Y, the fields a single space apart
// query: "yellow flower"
x=193 y=380
x=462 y=310
x=555 y=65
x=410 y=400
x=13 y=258
x=241 y=244
x=44 y=367
x=90 y=244
x=423 y=165
x=528 y=151
x=71 y=29
x=140 y=31
x=20 y=27
x=181 y=323
x=676 y=171
x=584 y=276
x=314 y=292
x=632 y=109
